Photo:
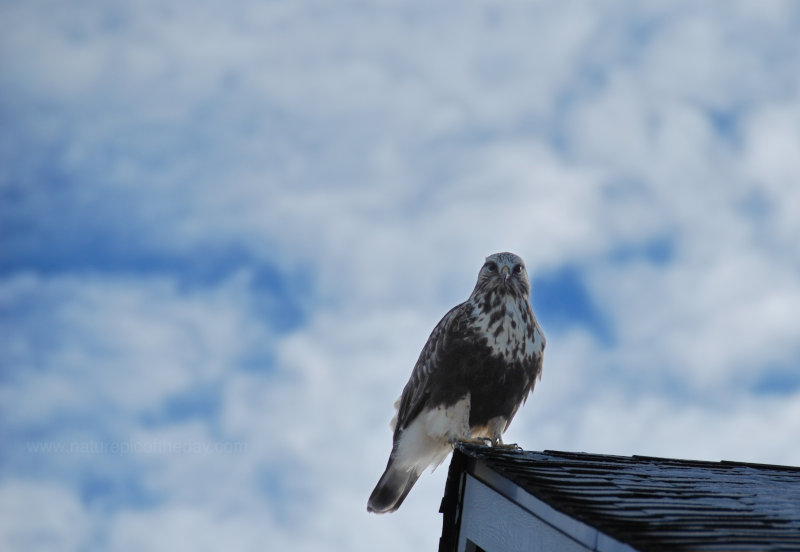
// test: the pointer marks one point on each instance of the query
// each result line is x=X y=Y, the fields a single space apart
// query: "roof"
x=650 y=504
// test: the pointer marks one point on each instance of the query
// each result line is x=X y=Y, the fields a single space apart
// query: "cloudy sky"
x=227 y=228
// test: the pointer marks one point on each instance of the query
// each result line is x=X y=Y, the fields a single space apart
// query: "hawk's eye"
x=517 y=269
x=491 y=267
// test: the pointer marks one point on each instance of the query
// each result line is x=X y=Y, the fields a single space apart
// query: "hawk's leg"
x=496 y=427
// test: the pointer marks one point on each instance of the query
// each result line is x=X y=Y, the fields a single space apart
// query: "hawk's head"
x=503 y=273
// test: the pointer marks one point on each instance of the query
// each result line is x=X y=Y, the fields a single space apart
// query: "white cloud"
x=194 y=528
x=127 y=344
x=772 y=143
x=42 y=516
x=740 y=428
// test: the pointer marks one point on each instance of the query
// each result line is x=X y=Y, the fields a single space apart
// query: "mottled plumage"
x=476 y=369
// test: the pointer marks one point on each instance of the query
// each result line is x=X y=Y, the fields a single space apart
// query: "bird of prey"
x=477 y=368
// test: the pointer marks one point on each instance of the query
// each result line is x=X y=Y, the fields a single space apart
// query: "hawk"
x=477 y=368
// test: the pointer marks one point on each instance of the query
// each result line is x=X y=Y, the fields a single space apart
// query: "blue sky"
x=226 y=231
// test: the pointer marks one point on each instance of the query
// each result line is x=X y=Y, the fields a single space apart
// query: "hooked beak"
x=505 y=272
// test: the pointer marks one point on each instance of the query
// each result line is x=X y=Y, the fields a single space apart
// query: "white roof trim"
x=587 y=535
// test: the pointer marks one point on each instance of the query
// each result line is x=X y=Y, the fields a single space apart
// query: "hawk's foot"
x=482 y=441
x=509 y=446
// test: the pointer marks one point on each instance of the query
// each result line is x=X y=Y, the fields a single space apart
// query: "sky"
x=227 y=229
